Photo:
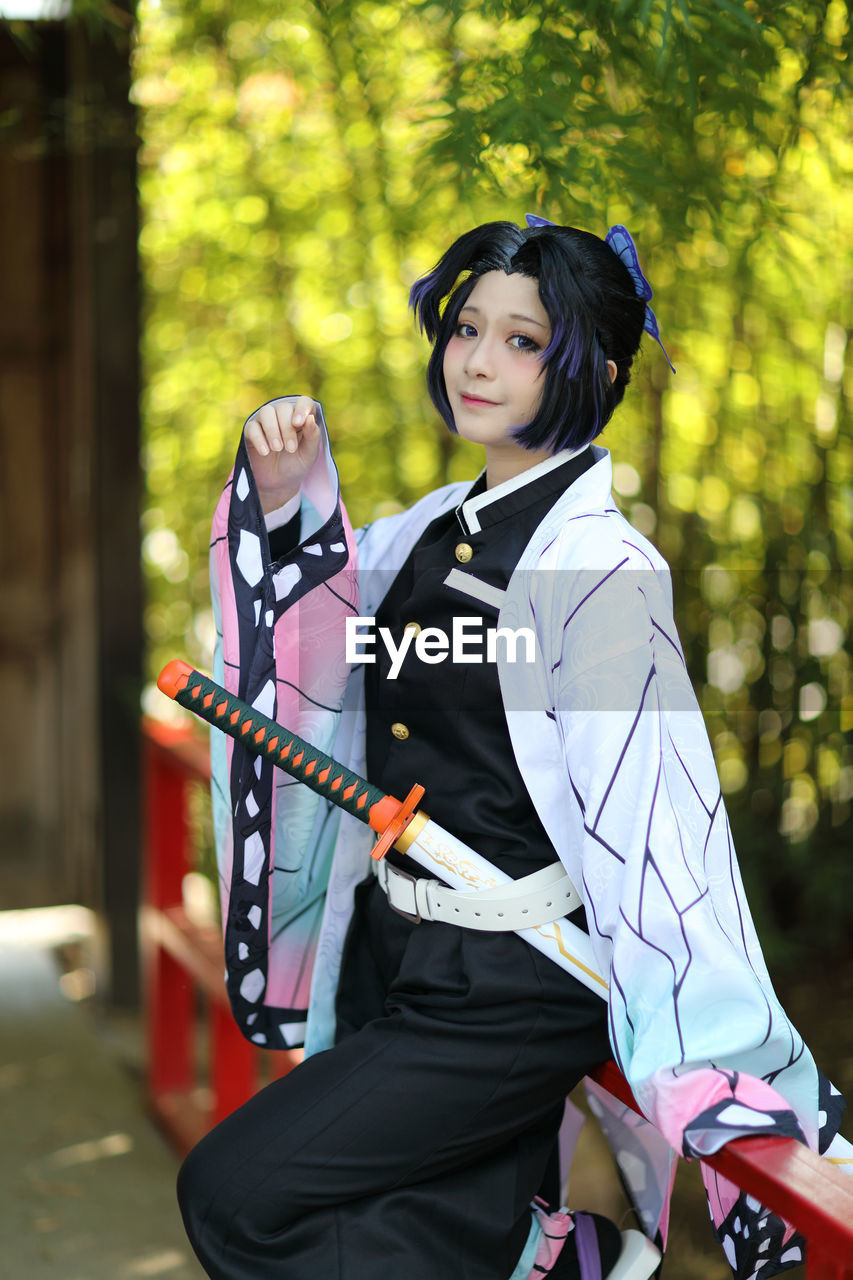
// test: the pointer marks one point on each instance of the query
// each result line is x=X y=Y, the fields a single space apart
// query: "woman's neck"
x=505 y=462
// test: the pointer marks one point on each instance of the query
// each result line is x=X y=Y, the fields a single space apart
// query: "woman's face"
x=492 y=368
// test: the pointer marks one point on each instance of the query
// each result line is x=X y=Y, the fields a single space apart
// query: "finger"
x=303 y=406
x=255 y=437
x=286 y=418
x=305 y=416
x=311 y=442
x=271 y=424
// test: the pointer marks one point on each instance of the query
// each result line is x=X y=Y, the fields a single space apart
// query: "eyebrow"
x=513 y=316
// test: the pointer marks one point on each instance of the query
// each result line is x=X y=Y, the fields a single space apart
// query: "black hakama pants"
x=412 y=1149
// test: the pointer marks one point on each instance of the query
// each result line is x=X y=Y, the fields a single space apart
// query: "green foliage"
x=650 y=99
x=302 y=163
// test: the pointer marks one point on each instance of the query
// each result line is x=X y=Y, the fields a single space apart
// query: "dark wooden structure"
x=70 y=622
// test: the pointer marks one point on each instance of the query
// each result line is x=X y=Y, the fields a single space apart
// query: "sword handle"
x=213 y=703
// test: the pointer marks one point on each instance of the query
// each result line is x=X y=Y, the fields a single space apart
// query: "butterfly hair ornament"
x=620 y=240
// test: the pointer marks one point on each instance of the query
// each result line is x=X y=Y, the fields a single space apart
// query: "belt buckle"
x=415 y=918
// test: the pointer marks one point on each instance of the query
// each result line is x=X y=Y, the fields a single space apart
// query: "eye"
x=465 y=329
x=522 y=342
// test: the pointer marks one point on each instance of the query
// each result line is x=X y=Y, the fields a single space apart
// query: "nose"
x=479 y=359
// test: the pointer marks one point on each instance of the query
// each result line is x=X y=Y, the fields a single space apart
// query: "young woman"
x=423 y=1123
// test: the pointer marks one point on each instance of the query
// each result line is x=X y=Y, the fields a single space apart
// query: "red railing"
x=191 y=1033
x=789 y=1179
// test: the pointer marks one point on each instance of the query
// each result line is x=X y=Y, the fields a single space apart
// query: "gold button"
x=399 y=731
x=463 y=552
x=414 y=627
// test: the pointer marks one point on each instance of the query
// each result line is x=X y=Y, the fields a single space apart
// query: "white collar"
x=468 y=510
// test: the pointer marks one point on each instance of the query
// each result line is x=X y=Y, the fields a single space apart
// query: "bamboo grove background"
x=302 y=163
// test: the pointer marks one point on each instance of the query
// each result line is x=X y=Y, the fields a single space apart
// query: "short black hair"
x=594 y=310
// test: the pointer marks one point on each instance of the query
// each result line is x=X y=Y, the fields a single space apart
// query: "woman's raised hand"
x=283 y=441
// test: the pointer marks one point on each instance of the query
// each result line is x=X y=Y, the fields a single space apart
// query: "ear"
x=611 y=365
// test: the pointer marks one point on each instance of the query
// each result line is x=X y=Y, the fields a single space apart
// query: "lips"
x=475 y=400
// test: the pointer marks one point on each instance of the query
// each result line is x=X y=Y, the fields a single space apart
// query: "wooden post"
x=107 y=158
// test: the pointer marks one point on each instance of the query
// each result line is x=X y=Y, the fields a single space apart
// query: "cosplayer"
x=423 y=1124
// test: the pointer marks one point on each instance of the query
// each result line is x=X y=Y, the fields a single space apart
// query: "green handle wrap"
x=200 y=694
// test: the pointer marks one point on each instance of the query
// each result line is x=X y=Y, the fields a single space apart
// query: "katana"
x=397 y=823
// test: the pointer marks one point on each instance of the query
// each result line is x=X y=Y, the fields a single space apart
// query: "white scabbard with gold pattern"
x=460 y=867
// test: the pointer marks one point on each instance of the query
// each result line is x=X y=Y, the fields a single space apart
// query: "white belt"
x=536 y=899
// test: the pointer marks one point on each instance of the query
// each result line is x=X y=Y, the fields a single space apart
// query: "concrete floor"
x=86 y=1181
